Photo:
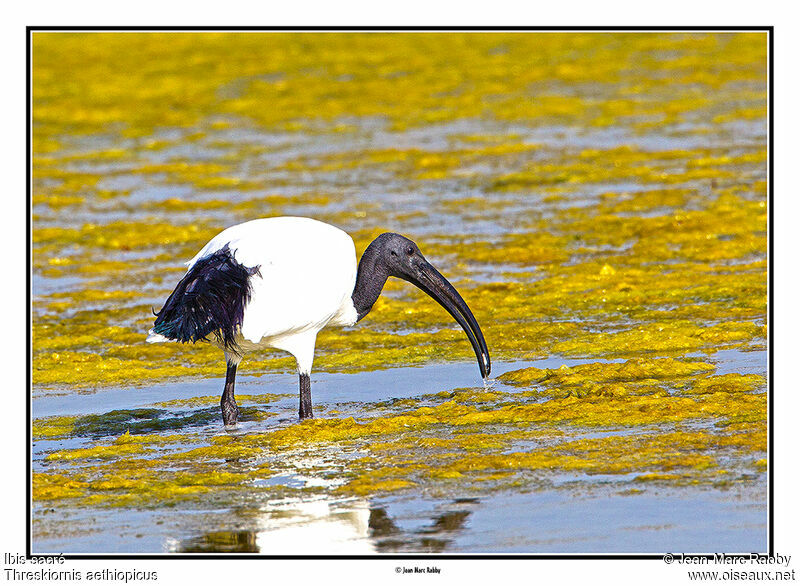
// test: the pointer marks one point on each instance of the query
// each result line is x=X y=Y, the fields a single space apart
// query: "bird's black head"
x=398 y=254
x=393 y=255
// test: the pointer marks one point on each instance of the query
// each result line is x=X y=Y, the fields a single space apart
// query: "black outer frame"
x=770 y=30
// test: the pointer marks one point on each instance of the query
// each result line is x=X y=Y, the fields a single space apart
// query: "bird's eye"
x=409 y=251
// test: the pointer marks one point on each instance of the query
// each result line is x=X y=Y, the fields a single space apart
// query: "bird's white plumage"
x=307 y=272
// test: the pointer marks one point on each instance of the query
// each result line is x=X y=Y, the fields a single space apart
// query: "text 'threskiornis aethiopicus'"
x=276 y=282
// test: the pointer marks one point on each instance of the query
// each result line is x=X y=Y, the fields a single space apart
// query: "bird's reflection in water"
x=223 y=542
x=324 y=528
x=432 y=538
x=315 y=527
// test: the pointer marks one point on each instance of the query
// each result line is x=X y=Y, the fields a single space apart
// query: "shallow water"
x=598 y=200
x=564 y=513
x=596 y=520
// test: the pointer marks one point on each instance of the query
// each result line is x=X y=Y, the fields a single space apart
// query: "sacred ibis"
x=276 y=282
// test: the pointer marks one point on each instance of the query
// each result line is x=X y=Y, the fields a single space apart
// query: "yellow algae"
x=365 y=486
x=626 y=248
x=175 y=204
x=50 y=427
x=729 y=383
x=88 y=368
x=127 y=438
x=183 y=169
x=227 y=452
x=414 y=162
x=474 y=396
x=209 y=479
x=265 y=398
x=57 y=201
x=630 y=410
x=630 y=370
x=421 y=455
x=614 y=455
x=679 y=336
x=618 y=164
x=410 y=78
x=127 y=235
x=445 y=474
x=96 y=295
x=103 y=452
x=498 y=302
x=655 y=477
x=56 y=486
x=593 y=456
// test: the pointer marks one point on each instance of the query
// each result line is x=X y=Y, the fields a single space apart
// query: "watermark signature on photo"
x=418 y=570
x=752 y=566
x=729 y=559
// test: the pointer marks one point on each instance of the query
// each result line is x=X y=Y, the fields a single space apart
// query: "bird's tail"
x=209 y=299
x=153 y=338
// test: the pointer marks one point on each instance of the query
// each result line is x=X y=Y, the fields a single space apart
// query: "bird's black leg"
x=230 y=412
x=305 y=397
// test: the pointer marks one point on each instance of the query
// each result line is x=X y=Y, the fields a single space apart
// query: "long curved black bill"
x=434 y=284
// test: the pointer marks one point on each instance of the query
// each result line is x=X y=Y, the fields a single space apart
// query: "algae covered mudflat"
x=599 y=199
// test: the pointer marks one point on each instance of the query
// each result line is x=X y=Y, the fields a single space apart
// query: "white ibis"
x=276 y=282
